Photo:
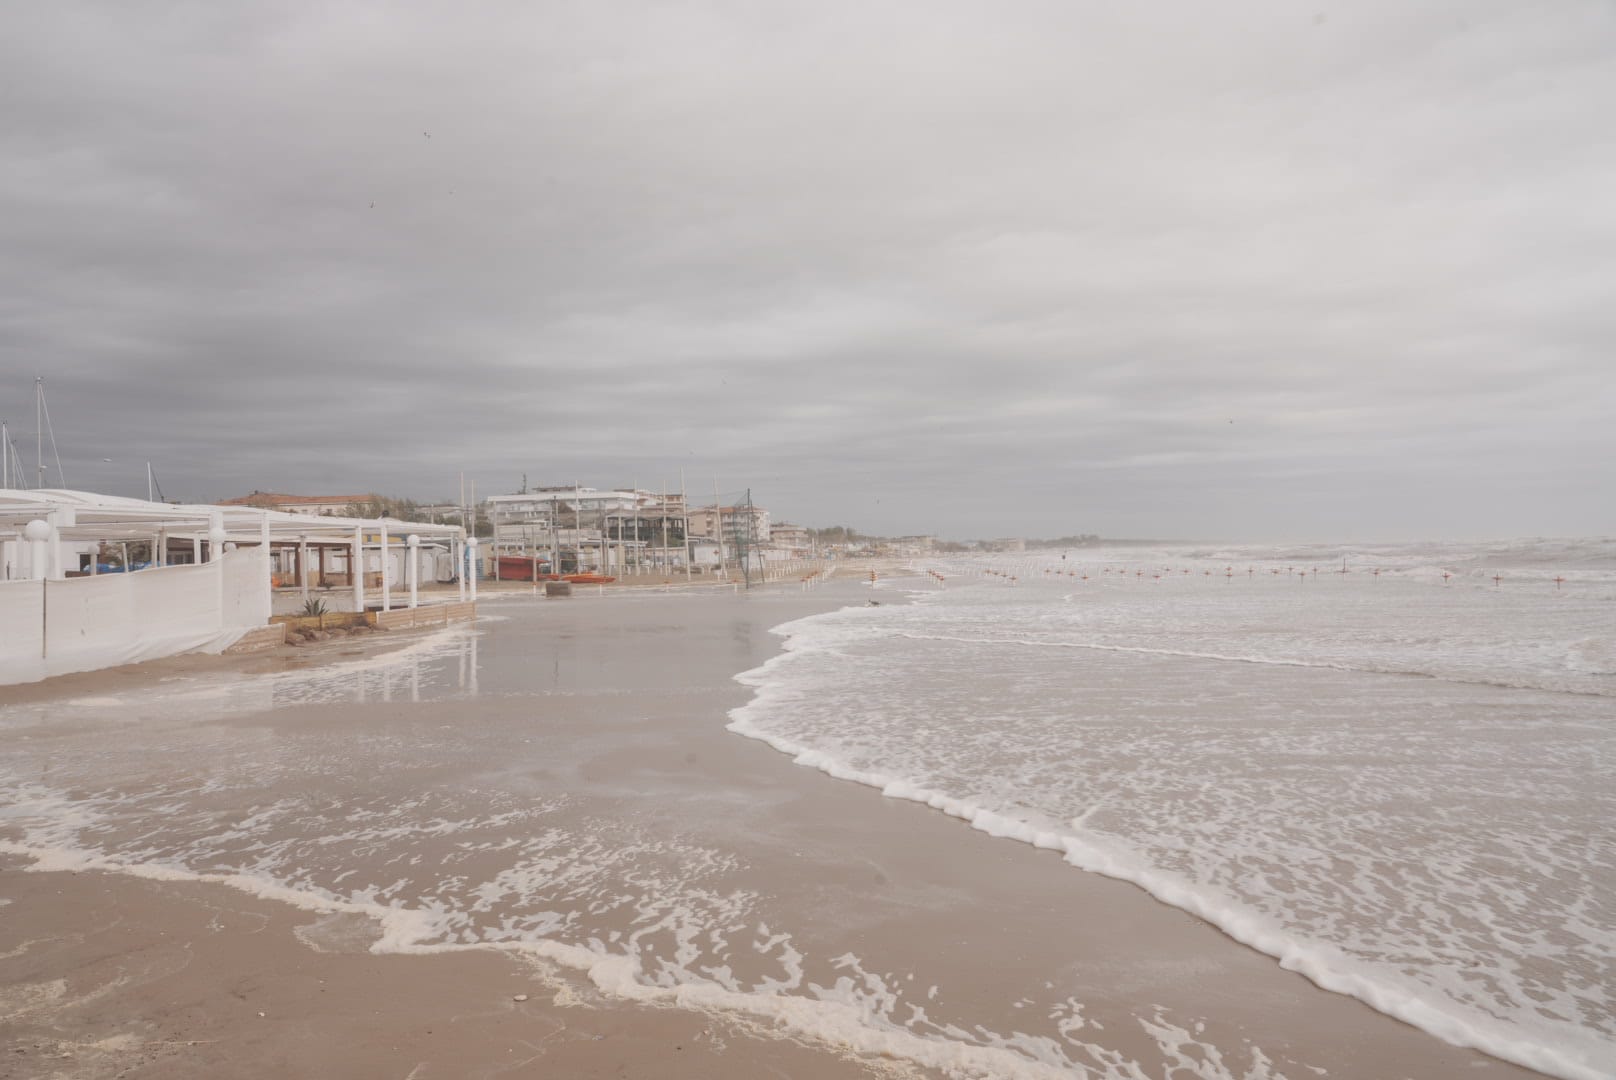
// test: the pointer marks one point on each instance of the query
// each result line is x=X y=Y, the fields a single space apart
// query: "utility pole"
x=555 y=536
x=718 y=526
x=684 y=504
x=664 y=524
x=750 y=542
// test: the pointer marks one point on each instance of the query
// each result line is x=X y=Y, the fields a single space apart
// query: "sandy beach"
x=664 y=834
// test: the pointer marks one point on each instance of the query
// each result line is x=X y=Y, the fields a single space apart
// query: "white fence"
x=82 y=624
x=22 y=629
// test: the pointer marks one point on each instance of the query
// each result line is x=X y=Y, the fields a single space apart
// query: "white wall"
x=84 y=624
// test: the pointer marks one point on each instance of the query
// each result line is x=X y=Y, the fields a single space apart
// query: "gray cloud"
x=1239 y=270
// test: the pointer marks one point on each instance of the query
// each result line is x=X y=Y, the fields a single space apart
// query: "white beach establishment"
x=74 y=596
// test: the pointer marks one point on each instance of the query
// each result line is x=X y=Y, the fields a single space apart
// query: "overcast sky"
x=1226 y=270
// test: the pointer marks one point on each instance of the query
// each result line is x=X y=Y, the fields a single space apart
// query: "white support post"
x=266 y=564
x=58 y=569
x=387 y=565
x=356 y=568
x=216 y=536
x=412 y=551
x=38 y=533
x=459 y=548
x=471 y=547
x=303 y=566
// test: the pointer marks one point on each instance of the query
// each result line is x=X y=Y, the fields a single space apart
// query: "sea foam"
x=1435 y=848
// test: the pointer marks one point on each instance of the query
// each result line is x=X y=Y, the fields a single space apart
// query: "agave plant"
x=313 y=606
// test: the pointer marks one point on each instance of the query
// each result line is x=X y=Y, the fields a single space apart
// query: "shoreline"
x=909 y=877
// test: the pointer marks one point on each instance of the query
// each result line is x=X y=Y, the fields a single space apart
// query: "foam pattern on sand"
x=1396 y=784
x=549 y=904
x=456 y=835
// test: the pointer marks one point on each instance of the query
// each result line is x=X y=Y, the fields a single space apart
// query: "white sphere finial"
x=216 y=534
x=37 y=530
x=471 y=541
x=412 y=540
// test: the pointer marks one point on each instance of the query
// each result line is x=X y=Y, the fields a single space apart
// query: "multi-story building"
x=915 y=545
x=747 y=525
x=610 y=528
x=792 y=538
x=329 y=505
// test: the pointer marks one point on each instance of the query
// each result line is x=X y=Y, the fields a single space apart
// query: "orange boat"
x=588 y=579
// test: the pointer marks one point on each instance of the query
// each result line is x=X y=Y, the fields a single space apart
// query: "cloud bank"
x=1246 y=270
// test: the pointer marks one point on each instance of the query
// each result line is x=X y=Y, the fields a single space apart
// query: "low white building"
x=207 y=577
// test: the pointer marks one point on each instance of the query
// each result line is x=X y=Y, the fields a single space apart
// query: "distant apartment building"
x=737 y=524
x=442 y=512
x=543 y=516
x=568 y=504
x=790 y=537
x=576 y=517
x=556 y=503
x=316 y=505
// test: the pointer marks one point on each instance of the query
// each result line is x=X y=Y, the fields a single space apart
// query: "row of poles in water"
x=1228 y=574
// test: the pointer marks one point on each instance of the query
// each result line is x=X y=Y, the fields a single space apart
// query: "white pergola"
x=38 y=523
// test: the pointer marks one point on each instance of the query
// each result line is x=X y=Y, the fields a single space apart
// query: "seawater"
x=1388 y=767
x=1390 y=783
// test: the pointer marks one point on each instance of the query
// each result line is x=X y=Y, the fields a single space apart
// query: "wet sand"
x=102 y=975
x=617 y=706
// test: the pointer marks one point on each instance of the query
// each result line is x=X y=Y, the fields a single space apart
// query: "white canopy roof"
x=85 y=515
